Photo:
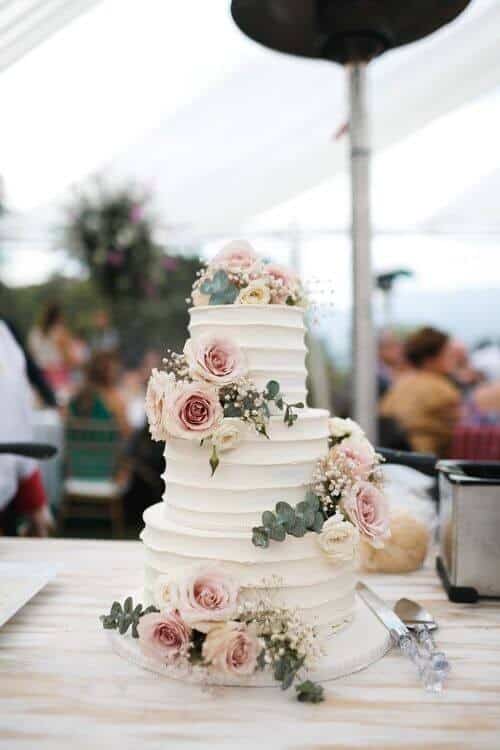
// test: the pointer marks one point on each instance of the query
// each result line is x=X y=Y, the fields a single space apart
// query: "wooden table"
x=61 y=686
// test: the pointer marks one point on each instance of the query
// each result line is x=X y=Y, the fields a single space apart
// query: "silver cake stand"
x=349 y=650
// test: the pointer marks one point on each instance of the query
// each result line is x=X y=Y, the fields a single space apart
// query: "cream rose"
x=368 y=509
x=207 y=596
x=215 y=359
x=227 y=436
x=339 y=538
x=341 y=428
x=236 y=257
x=164 y=636
x=256 y=293
x=232 y=648
x=193 y=411
x=161 y=385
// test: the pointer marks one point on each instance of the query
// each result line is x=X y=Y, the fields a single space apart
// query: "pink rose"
x=232 y=648
x=164 y=636
x=215 y=359
x=160 y=385
x=236 y=257
x=285 y=282
x=207 y=596
x=193 y=411
x=368 y=509
x=357 y=455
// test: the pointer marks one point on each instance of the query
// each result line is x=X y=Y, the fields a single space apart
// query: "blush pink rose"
x=215 y=359
x=193 y=411
x=164 y=636
x=236 y=257
x=232 y=648
x=368 y=509
x=207 y=596
x=357 y=454
x=285 y=282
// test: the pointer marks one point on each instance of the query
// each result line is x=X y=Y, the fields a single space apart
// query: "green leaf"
x=319 y=520
x=272 y=389
x=306 y=512
x=298 y=528
x=261 y=659
x=220 y=281
x=298 y=405
x=310 y=692
x=206 y=287
x=116 y=608
x=287 y=679
x=226 y=297
x=150 y=609
x=285 y=513
x=214 y=460
x=260 y=537
x=128 y=605
x=268 y=519
x=312 y=500
x=277 y=533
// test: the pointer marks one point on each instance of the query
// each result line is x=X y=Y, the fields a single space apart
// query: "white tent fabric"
x=237 y=129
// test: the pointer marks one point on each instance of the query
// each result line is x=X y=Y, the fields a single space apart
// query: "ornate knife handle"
x=431 y=678
x=437 y=658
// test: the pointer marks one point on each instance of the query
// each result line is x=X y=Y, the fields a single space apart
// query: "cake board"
x=353 y=648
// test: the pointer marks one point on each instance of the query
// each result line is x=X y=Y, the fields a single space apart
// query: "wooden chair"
x=92 y=448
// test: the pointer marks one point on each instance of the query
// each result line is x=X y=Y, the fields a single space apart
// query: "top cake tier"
x=272 y=337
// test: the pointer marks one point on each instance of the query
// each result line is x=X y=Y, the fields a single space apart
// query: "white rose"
x=160 y=386
x=340 y=428
x=227 y=435
x=162 y=592
x=339 y=539
x=256 y=293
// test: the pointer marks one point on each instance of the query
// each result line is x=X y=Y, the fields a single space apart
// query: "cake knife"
x=401 y=636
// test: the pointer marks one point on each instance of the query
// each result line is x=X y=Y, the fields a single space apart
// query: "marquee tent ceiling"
x=231 y=129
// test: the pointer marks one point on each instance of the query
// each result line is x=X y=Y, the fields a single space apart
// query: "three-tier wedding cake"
x=250 y=558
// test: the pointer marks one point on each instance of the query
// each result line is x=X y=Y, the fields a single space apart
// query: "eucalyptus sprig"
x=122 y=617
x=310 y=692
x=296 y=521
x=220 y=289
x=273 y=393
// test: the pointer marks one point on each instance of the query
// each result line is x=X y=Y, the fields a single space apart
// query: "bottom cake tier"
x=295 y=575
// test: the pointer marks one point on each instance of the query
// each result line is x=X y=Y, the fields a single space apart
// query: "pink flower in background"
x=368 y=509
x=164 y=636
x=232 y=648
x=207 y=596
x=136 y=213
x=193 y=411
x=216 y=359
x=169 y=263
x=236 y=257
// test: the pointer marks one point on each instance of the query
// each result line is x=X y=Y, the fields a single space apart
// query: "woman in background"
x=99 y=397
x=425 y=402
x=51 y=345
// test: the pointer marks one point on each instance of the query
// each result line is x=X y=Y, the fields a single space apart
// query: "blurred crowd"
x=430 y=387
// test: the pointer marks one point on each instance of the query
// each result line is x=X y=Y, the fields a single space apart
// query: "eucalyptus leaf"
x=206 y=287
x=214 y=460
x=306 y=512
x=319 y=521
x=268 y=519
x=128 y=605
x=312 y=500
x=220 y=281
x=260 y=537
x=277 y=533
x=299 y=527
x=310 y=692
x=272 y=389
x=225 y=297
x=285 y=513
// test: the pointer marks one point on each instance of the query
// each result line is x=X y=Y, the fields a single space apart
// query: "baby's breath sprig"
x=177 y=364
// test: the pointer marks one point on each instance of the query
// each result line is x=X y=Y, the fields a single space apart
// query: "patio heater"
x=352 y=33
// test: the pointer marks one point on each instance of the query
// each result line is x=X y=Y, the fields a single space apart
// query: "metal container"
x=469 y=561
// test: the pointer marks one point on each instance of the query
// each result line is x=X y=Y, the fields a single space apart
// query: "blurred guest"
x=391 y=360
x=99 y=396
x=51 y=345
x=482 y=406
x=35 y=376
x=21 y=490
x=464 y=375
x=486 y=359
x=424 y=401
x=104 y=337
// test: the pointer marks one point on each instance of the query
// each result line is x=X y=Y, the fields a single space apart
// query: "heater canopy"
x=341 y=30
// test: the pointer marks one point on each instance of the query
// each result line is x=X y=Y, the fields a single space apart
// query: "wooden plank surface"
x=61 y=686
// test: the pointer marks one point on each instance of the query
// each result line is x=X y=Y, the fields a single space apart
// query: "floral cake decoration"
x=238 y=276
x=205 y=394
x=345 y=501
x=200 y=622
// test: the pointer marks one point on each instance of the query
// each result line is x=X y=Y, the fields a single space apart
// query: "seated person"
x=424 y=401
x=99 y=397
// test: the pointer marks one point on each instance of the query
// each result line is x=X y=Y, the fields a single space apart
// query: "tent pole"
x=363 y=334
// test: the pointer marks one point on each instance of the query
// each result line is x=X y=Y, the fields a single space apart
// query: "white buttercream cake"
x=206 y=519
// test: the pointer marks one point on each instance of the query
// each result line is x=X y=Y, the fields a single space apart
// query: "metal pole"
x=363 y=334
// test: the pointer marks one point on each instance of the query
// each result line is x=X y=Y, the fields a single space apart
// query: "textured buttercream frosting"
x=206 y=519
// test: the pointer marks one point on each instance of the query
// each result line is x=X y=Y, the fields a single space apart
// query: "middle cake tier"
x=251 y=478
